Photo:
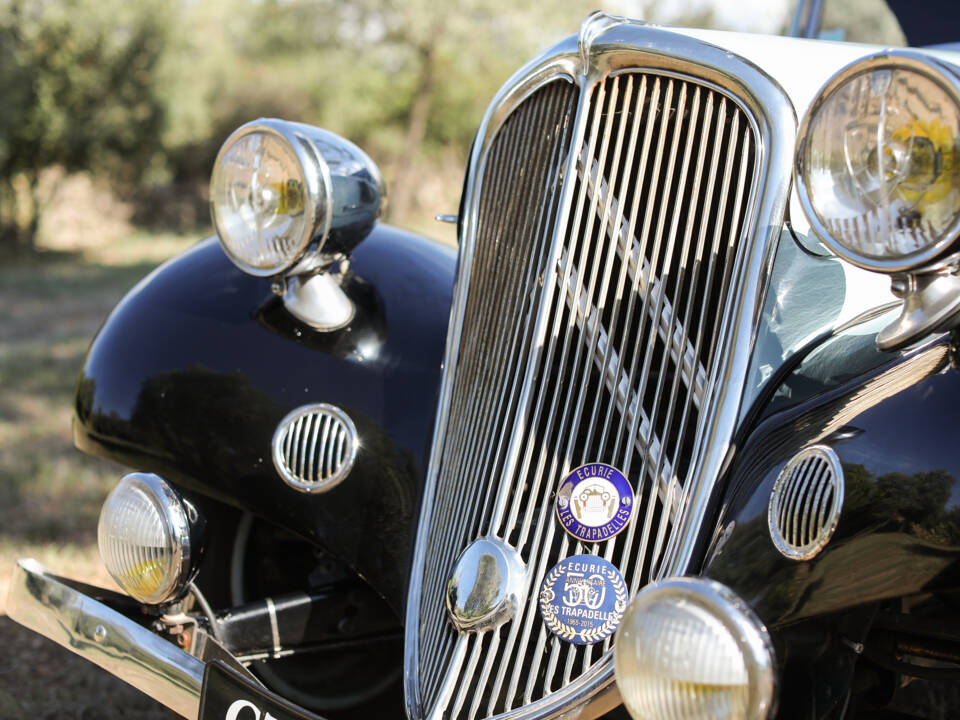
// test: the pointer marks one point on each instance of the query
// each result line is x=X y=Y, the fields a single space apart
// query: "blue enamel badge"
x=582 y=599
x=594 y=502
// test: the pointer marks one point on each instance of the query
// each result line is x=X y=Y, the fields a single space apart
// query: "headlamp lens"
x=259 y=200
x=688 y=649
x=879 y=166
x=143 y=536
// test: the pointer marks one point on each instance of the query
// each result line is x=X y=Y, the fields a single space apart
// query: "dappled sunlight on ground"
x=51 y=493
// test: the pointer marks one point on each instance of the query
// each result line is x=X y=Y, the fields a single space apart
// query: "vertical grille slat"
x=608 y=226
x=521 y=175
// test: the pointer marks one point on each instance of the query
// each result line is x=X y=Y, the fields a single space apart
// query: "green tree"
x=79 y=88
x=408 y=81
x=445 y=63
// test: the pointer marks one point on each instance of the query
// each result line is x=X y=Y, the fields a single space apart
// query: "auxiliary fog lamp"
x=689 y=648
x=150 y=538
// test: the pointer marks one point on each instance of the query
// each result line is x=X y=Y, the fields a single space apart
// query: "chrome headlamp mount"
x=291 y=201
x=877 y=173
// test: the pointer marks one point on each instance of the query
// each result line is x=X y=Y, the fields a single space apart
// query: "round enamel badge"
x=582 y=599
x=594 y=502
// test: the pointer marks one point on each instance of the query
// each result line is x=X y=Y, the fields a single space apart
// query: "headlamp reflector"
x=144 y=538
x=689 y=648
x=877 y=162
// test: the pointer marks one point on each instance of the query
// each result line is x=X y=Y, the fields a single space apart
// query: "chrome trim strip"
x=606 y=45
x=40 y=602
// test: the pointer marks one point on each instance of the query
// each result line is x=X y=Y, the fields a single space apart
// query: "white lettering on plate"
x=233 y=712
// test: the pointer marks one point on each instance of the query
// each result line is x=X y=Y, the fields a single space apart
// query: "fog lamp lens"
x=878 y=166
x=144 y=538
x=689 y=648
x=263 y=206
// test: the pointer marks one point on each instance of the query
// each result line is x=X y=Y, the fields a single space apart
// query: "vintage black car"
x=670 y=434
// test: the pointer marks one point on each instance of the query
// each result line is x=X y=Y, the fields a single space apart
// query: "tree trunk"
x=33 y=221
x=19 y=214
x=402 y=193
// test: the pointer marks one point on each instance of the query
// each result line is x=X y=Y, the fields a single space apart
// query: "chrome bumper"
x=39 y=601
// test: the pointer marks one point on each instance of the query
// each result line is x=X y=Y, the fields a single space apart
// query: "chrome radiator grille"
x=518 y=206
x=609 y=237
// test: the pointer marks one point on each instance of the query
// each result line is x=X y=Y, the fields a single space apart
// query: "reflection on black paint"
x=194 y=369
x=895 y=502
x=899 y=530
x=361 y=340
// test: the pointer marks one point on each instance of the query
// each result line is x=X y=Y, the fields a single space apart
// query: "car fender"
x=194 y=369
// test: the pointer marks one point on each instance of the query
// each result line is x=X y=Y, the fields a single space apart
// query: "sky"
x=758 y=16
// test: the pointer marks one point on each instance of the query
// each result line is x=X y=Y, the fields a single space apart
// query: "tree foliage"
x=79 y=87
x=144 y=93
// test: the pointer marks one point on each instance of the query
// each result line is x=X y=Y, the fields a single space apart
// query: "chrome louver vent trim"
x=806 y=502
x=314 y=447
x=642 y=242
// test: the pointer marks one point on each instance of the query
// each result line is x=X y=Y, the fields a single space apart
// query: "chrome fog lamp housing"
x=283 y=195
x=690 y=648
x=150 y=538
x=878 y=162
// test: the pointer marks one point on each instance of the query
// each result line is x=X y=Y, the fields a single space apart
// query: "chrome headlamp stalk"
x=878 y=175
x=289 y=200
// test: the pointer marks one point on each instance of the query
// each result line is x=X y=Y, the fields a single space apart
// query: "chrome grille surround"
x=441 y=672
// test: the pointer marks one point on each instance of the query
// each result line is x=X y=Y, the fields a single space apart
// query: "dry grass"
x=50 y=493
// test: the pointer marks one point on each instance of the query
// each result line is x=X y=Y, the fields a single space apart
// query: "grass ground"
x=50 y=493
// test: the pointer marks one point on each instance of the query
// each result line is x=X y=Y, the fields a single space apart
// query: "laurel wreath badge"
x=582 y=636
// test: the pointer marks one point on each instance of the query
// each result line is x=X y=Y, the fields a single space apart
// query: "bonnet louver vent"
x=806 y=502
x=314 y=447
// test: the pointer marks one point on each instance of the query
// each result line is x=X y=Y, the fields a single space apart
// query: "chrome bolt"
x=99 y=633
x=903 y=285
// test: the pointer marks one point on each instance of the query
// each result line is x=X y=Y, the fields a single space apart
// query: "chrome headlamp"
x=690 y=648
x=150 y=539
x=878 y=175
x=281 y=189
x=877 y=165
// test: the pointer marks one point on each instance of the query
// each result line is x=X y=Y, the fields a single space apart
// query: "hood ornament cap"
x=595 y=25
x=487 y=585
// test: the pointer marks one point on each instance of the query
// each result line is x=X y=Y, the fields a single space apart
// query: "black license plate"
x=228 y=695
